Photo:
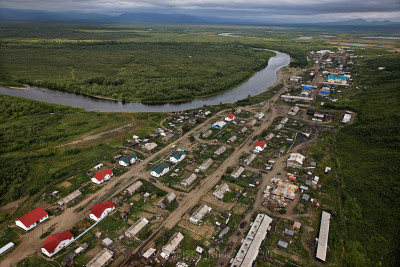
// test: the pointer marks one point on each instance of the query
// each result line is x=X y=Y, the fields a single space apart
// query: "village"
x=233 y=187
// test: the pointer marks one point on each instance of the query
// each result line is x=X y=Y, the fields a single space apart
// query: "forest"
x=135 y=64
x=368 y=153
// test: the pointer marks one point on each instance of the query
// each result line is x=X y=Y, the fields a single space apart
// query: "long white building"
x=248 y=251
x=323 y=236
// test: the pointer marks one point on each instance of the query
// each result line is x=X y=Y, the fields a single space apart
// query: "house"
x=238 y=111
x=128 y=160
x=159 y=170
x=168 y=198
x=102 y=176
x=230 y=117
x=136 y=228
x=286 y=190
x=259 y=116
x=295 y=79
x=293 y=110
x=283 y=244
x=220 y=150
x=168 y=137
x=133 y=188
x=236 y=174
x=340 y=80
x=295 y=160
x=101 y=259
x=219 y=125
x=270 y=136
x=6 y=247
x=65 y=200
x=232 y=139
x=181 y=264
x=177 y=156
x=98 y=166
x=323 y=236
x=171 y=246
x=220 y=191
x=189 y=180
x=260 y=146
x=346 y=118
x=250 y=159
x=324 y=92
x=148 y=254
x=284 y=120
x=296 y=226
x=243 y=130
x=150 y=146
x=30 y=220
x=318 y=116
x=306 y=88
x=55 y=242
x=199 y=214
x=289 y=232
x=248 y=251
x=101 y=210
x=107 y=242
x=207 y=113
x=305 y=197
x=207 y=133
x=224 y=232
x=206 y=164
x=295 y=98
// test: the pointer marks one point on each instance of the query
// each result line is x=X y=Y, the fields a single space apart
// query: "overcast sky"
x=260 y=10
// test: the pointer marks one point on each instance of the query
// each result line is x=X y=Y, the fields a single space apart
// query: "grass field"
x=31 y=161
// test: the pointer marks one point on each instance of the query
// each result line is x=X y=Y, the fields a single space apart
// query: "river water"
x=257 y=84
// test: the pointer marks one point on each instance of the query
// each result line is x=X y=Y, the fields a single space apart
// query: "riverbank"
x=255 y=85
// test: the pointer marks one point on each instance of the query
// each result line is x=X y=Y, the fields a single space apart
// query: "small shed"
x=305 y=197
x=289 y=232
x=107 y=242
x=283 y=244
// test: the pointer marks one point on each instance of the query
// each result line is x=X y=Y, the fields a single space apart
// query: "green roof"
x=160 y=168
x=127 y=158
x=178 y=154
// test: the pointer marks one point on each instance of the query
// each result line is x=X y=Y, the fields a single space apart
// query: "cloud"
x=254 y=9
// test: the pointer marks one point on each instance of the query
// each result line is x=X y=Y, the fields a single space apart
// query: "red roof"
x=261 y=144
x=33 y=216
x=230 y=116
x=99 y=208
x=53 y=240
x=99 y=176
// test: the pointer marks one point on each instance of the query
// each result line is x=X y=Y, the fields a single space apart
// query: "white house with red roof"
x=260 y=146
x=32 y=218
x=101 y=210
x=102 y=176
x=55 y=242
x=230 y=117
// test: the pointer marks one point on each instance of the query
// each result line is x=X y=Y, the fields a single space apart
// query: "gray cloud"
x=320 y=10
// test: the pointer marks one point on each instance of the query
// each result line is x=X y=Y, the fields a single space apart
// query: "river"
x=257 y=84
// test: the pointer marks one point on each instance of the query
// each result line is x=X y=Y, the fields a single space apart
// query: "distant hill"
x=360 y=22
x=157 y=18
x=137 y=17
x=47 y=16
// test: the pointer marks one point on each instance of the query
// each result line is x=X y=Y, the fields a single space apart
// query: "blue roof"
x=324 y=92
x=307 y=88
x=336 y=77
